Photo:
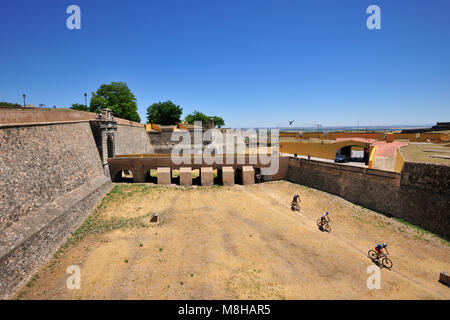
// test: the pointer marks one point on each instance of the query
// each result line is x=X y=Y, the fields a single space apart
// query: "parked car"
x=342 y=158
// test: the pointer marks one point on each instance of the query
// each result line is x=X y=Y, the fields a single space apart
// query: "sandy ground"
x=241 y=243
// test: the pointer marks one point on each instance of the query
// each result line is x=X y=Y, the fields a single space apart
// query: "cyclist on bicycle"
x=379 y=248
x=325 y=218
x=295 y=204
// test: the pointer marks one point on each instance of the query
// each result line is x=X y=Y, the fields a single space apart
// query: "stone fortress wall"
x=51 y=177
x=420 y=194
x=132 y=139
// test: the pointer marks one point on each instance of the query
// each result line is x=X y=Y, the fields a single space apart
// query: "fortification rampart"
x=380 y=136
x=51 y=178
x=132 y=139
x=131 y=136
x=419 y=195
x=22 y=116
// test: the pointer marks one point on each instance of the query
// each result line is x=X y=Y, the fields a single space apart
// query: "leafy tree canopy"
x=78 y=106
x=196 y=116
x=165 y=113
x=199 y=116
x=218 y=121
x=117 y=97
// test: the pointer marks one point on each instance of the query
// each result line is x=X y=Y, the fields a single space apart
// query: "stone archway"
x=104 y=129
x=110 y=145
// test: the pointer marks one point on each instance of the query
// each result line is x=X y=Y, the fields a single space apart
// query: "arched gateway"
x=104 y=129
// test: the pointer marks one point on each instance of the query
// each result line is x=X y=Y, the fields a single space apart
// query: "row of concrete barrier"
x=226 y=176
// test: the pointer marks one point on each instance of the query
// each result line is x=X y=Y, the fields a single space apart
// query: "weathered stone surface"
x=163 y=141
x=104 y=130
x=132 y=139
x=185 y=176
x=248 y=175
x=207 y=176
x=227 y=176
x=164 y=176
x=44 y=231
x=51 y=178
x=39 y=164
x=140 y=166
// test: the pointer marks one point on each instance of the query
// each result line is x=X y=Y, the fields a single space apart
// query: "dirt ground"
x=240 y=242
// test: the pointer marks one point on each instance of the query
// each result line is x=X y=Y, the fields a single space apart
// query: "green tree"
x=196 y=116
x=78 y=106
x=117 y=97
x=218 y=121
x=165 y=113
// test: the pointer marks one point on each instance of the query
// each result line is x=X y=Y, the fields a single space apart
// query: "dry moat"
x=240 y=242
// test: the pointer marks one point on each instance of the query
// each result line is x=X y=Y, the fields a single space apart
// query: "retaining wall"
x=43 y=115
x=419 y=195
x=132 y=139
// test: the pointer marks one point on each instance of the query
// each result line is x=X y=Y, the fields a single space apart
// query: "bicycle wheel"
x=372 y=254
x=319 y=223
x=387 y=263
x=327 y=227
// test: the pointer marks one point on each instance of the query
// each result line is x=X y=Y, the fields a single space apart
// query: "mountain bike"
x=324 y=225
x=385 y=261
x=295 y=206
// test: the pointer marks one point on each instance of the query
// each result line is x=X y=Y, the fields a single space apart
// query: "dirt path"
x=239 y=243
x=360 y=252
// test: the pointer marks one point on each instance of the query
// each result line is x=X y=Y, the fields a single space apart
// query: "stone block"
x=227 y=176
x=248 y=175
x=186 y=177
x=444 y=278
x=164 y=176
x=207 y=176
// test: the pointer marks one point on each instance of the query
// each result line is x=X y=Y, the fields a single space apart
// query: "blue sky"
x=255 y=63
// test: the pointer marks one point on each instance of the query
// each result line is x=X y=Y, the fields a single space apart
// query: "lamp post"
x=24 y=96
x=85 y=99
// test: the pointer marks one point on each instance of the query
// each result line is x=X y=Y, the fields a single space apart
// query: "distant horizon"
x=360 y=128
x=322 y=127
